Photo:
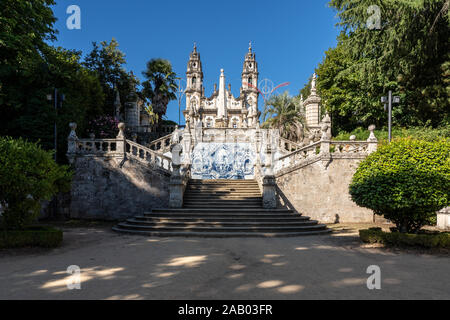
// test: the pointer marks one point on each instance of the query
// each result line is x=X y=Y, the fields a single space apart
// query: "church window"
x=194 y=81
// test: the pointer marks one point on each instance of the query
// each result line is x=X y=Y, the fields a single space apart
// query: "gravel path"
x=115 y=266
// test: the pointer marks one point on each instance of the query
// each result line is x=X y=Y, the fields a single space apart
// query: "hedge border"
x=44 y=237
x=377 y=235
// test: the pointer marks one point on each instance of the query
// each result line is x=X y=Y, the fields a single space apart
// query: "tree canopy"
x=408 y=54
x=284 y=113
x=160 y=86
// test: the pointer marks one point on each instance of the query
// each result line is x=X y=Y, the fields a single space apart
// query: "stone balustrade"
x=342 y=147
x=116 y=148
x=297 y=157
x=325 y=150
x=96 y=146
x=161 y=145
x=288 y=146
x=147 y=156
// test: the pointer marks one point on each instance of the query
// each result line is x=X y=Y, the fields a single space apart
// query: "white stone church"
x=222 y=109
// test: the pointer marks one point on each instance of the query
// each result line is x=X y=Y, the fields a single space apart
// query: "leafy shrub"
x=45 y=237
x=438 y=240
x=407 y=181
x=28 y=175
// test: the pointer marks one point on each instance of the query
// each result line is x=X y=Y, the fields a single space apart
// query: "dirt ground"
x=116 y=266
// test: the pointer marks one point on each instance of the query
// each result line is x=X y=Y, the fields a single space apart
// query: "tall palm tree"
x=160 y=86
x=284 y=113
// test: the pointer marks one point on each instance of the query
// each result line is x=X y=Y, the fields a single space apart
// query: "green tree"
x=409 y=55
x=407 y=181
x=283 y=112
x=30 y=69
x=160 y=87
x=108 y=62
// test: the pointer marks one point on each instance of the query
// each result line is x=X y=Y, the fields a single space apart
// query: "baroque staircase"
x=222 y=209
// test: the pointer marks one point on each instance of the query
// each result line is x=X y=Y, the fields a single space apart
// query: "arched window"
x=250 y=81
x=194 y=81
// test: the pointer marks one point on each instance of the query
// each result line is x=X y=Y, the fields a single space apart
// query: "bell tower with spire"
x=194 y=89
x=194 y=74
x=249 y=86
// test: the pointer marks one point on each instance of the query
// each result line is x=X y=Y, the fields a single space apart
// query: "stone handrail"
x=297 y=156
x=96 y=146
x=289 y=146
x=161 y=145
x=342 y=147
x=325 y=150
x=148 y=156
x=118 y=148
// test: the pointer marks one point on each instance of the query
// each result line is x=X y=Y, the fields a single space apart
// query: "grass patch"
x=396 y=239
x=39 y=236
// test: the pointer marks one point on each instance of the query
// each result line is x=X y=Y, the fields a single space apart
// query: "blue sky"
x=289 y=36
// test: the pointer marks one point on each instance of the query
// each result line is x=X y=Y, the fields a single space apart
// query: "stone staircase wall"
x=104 y=189
x=116 y=178
x=322 y=193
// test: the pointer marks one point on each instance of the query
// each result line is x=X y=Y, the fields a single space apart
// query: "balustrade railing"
x=148 y=156
x=161 y=145
x=289 y=146
x=342 y=147
x=297 y=156
x=96 y=146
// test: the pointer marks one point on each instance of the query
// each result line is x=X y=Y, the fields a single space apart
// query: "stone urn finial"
x=324 y=129
x=73 y=134
x=372 y=137
x=121 y=127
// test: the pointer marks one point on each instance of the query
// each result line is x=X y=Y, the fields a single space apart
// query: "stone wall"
x=321 y=192
x=102 y=189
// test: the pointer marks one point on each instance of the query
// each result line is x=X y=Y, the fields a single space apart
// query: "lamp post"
x=388 y=101
x=180 y=93
x=57 y=100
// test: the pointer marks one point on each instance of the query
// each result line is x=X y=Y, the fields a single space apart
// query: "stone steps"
x=206 y=229
x=188 y=234
x=218 y=224
x=221 y=209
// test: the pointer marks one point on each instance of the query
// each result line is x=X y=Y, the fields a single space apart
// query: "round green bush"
x=28 y=175
x=406 y=181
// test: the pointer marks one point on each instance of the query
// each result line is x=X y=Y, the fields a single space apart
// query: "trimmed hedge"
x=376 y=235
x=406 y=181
x=45 y=237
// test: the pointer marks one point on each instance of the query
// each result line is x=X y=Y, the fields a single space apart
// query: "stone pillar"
x=373 y=141
x=325 y=140
x=443 y=219
x=72 y=143
x=269 y=192
x=312 y=106
x=132 y=114
x=120 y=147
x=176 y=187
x=269 y=183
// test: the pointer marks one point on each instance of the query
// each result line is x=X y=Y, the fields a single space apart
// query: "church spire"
x=194 y=74
x=250 y=70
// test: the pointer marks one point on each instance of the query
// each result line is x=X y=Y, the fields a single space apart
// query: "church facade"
x=222 y=109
